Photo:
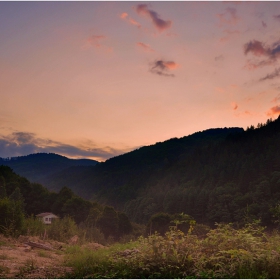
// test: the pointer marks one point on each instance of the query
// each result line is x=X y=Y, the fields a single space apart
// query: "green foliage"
x=225 y=252
x=92 y=233
x=32 y=199
x=11 y=217
x=161 y=223
x=3 y=192
x=29 y=266
x=108 y=222
x=63 y=229
x=33 y=226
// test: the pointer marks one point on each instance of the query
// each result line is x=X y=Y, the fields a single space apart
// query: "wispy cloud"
x=24 y=143
x=130 y=20
x=259 y=49
x=234 y=106
x=160 y=24
x=145 y=47
x=264 y=24
x=277 y=17
x=274 y=111
x=96 y=41
x=276 y=99
x=274 y=74
x=229 y=34
x=163 y=68
x=229 y=17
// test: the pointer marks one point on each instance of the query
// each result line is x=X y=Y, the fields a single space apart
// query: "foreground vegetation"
x=225 y=252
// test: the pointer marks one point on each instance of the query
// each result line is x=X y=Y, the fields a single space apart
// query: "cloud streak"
x=96 y=41
x=163 y=68
x=145 y=47
x=160 y=24
x=130 y=20
x=274 y=74
x=24 y=143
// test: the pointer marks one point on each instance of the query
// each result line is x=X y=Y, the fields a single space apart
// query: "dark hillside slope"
x=230 y=181
x=220 y=175
x=37 y=167
x=120 y=179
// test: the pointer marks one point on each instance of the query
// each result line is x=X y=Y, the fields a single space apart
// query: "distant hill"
x=38 y=167
x=118 y=179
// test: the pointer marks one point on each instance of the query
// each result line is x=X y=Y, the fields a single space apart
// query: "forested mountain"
x=217 y=175
x=39 y=167
x=118 y=179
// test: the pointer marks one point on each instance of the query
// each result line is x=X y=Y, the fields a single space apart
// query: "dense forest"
x=217 y=175
x=21 y=200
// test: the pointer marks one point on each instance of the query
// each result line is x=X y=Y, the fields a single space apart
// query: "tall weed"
x=225 y=252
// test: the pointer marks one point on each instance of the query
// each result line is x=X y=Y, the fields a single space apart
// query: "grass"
x=43 y=254
x=29 y=266
x=224 y=253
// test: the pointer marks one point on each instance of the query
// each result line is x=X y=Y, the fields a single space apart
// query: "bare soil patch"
x=18 y=260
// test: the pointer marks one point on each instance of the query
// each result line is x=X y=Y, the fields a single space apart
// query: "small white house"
x=47 y=217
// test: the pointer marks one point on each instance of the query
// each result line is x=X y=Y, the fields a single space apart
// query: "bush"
x=33 y=226
x=11 y=217
x=62 y=229
x=225 y=252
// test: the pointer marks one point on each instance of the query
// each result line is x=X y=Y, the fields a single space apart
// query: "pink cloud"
x=145 y=47
x=160 y=24
x=161 y=67
x=229 y=17
x=253 y=64
x=170 y=65
x=123 y=15
x=259 y=49
x=130 y=20
x=96 y=41
x=274 y=111
x=276 y=99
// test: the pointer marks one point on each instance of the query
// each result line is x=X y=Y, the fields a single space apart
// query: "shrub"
x=225 y=252
x=62 y=229
x=33 y=226
x=11 y=217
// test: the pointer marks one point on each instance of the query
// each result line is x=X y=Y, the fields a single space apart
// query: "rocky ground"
x=19 y=260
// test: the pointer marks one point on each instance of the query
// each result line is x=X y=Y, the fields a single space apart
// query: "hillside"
x=217 y=175
x=38 y=167
x=121 y=177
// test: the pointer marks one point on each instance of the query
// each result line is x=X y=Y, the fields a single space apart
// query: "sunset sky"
x=98 y=79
